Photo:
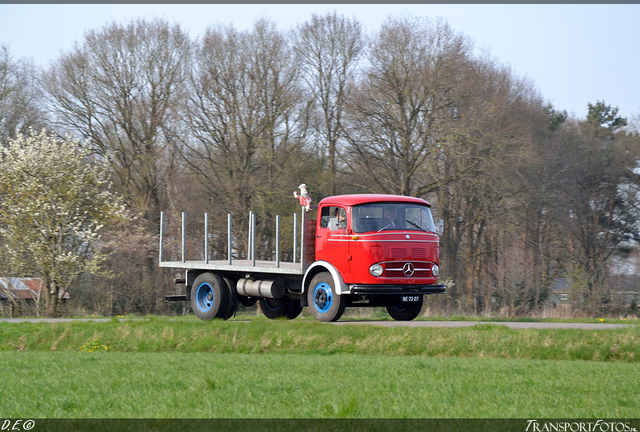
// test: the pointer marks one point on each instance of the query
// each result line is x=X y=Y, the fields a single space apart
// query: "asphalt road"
x=515 y=325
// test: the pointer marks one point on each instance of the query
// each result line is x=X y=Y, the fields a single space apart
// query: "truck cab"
x=380 y=250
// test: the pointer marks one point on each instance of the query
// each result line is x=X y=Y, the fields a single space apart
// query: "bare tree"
x=512 y=278
x=598 y=192
x=246 y=118
x=573 y=200
x=119 y=89
x=471 y=174
x=20 y=104
x=329 y=49
x=535 y=208
x=402 y=107
x=430 y=118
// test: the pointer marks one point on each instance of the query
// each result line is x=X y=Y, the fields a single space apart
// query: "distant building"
x=560 y=290
x=23 y=289
x=622 y=288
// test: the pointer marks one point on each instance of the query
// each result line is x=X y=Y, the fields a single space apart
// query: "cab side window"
x=325 y=215
x=333 y=217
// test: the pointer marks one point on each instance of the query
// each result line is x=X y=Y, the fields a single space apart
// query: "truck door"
x=332 y=239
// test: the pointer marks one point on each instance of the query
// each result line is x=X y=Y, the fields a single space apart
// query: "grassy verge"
x=635 y=321
x=380 y=314
x=305 y=337
x=204 y=385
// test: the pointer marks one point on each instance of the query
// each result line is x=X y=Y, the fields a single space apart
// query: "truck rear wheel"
x=209 y=296
x=295 y=310
x=278 y=308
x=232 y=299
x=405 y=311
x=247 y=301
x=324 y=304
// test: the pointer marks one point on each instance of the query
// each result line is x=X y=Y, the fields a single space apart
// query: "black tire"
x=247 y=301
x=232 y=299
x=324 y=304
x=405 y=311
x=295 y=309
x=209 y=295
x=275 y=308
x=284 y=307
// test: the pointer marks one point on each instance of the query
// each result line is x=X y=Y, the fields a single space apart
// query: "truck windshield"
x=392 y=216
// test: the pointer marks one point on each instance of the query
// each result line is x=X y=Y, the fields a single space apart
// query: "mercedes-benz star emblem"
x=408 y=269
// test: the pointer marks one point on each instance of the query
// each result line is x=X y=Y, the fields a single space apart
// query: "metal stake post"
x=184 y=240
x=253 y=239
x=277 y=241
x=295 y=236
x=249 y=239
x=206 y=238
x=161 y=235
x=303 y=252
x=229 y=237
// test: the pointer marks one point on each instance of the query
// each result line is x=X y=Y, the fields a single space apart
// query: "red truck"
x=360 y=251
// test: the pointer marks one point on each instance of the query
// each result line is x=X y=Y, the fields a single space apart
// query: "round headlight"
x=376 y=270
x=435 y=270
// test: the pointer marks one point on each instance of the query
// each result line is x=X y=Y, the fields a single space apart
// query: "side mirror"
x=333 y=224
x=440 y=226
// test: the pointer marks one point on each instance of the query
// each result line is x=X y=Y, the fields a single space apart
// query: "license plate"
x=410 y=298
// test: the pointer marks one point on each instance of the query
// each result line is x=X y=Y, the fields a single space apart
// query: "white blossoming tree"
x=54 y=202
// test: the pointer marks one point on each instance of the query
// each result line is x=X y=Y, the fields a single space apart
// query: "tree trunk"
x=51 y=298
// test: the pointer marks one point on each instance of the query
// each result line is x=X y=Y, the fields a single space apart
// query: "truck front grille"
x=407 y=269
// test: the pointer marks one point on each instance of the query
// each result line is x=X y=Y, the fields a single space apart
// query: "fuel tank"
x=261 y=288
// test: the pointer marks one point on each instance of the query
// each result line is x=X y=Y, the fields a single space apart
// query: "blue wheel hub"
x=204 y=297
x=323 y=297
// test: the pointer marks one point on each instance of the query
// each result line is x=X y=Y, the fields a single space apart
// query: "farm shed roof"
x=23 y=288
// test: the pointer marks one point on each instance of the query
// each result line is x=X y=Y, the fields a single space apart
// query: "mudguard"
x=320 y=266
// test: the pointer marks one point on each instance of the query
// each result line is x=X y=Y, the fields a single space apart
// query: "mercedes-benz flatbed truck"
x=360 y=251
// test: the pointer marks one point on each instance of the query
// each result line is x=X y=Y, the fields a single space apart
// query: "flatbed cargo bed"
x=266 y=267
x=250 y=264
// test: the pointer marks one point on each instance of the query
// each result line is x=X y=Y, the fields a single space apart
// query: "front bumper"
x=371 y=289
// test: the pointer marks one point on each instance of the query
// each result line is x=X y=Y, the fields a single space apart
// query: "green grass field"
x=280 y=369
x=204 y=385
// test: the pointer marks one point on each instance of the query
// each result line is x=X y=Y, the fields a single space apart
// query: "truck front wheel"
x=209 y=296
x=405 y=311
x=324 y=304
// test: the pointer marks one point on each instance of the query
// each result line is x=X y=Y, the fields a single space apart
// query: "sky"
x=573 y=54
